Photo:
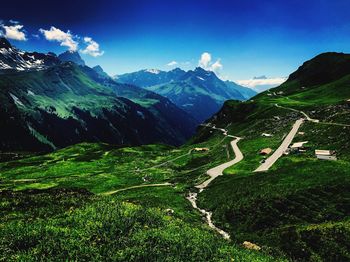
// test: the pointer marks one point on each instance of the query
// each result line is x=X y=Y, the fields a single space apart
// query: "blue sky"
x=248 y=38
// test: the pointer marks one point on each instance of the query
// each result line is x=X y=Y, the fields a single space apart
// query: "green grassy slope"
x=50 y=192
x=81 y=226
x=37 y=105
x=300 y=207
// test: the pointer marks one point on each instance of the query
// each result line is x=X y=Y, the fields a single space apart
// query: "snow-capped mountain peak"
x=14 y=59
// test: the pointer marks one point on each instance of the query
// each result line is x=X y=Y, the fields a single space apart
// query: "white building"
x=326 y=154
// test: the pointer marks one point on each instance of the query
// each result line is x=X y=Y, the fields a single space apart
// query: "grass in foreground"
x=84 y=227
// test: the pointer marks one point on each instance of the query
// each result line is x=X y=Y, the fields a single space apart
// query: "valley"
x=130 y=179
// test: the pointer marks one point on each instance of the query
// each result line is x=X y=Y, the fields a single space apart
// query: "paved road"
x=282 y=148
x=217 y=171
x=214 y=173
x=133 y=187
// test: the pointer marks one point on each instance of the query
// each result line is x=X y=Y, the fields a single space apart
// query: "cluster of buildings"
x=301 y=147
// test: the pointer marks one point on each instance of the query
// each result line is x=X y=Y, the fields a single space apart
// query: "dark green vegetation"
x=64 y=104
x=199 y=92
x=299 y=209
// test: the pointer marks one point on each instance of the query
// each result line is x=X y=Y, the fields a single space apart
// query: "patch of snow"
x=200 y=78
x=30 y=93
x=38 y=62
x=153 y=71
x=4 y=66
x=16 y=100
x=140 y=114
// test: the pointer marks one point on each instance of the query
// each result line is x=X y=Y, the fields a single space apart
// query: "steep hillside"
x=172 y=118
x=300 y=206
x=37 y=106
x=41 y=95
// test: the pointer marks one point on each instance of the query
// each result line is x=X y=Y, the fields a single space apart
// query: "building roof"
x=324 y=152
x=298 y=144
x=266 y=135
x=201 y=149
x=266 y=151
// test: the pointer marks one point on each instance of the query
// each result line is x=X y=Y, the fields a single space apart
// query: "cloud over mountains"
x=206 y=63
x=64 y=38
x=15 y=30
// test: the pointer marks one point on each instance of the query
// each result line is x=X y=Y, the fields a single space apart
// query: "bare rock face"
x=251 y=246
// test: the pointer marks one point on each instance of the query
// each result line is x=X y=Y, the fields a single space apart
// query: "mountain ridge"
x=39 y=101
x=199 y=92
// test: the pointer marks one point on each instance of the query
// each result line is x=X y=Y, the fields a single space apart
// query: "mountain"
x=175 y=120
x=260 y=77
x=150 y=77
x=298 y=207
x=99 y=70
x=246 y=92
x=39 y=102
x=322 y=69
x=199 y=92
x=71 y=56
x=15 y=60
x=298 y=210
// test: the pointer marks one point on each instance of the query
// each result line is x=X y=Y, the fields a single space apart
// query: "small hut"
x=298 y=147
x=265 y=151
x=326 y=154
x=201 y=149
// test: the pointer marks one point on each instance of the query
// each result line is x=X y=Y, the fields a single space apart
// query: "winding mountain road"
x=214 y=173
x=218 y=170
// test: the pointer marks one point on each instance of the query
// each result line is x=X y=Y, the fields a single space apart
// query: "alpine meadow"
x=175 y=130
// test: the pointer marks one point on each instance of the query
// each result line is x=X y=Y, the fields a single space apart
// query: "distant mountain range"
x=47 y=103
x=199 y=92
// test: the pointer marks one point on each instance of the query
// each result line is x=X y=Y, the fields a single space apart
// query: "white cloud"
x=268 y=82
x=14 y=32
x=65 y=39
x=14 y=21
x=206 y=63
x=93 y=48
x=205 y=60
x=172 y=63
x=217 y=66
